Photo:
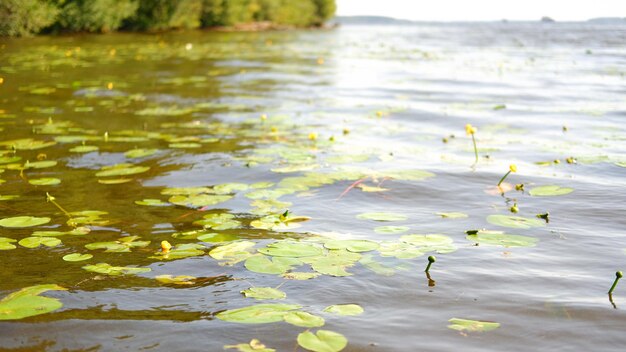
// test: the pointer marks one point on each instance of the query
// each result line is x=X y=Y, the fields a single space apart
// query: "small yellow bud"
x=513 y=168
x=313 y=136
x=1 y=80
x=346 y=131
x=320 y=60
x=165 y=246
x=110 y=85
x=263 y=117
x=274 y=129
x=469 y=129
x=379 y=114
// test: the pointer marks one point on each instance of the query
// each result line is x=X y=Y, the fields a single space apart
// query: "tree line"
x=28 y=17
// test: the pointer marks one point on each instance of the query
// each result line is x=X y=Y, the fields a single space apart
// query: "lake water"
x=330 y=125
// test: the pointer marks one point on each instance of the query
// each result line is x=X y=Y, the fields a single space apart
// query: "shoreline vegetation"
x=21 y=18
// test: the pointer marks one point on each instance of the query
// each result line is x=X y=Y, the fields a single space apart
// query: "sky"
x=484 y=10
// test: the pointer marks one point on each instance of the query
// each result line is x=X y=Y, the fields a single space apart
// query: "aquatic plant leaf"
x=27 y=144
x=295 y=168
x=34 y=242
x=108 y=269
x=499 y=238
x=123 y=244
x=39 y=164
x=409 y=175
x=223 y=221
x=516 y=222
x=198 y=200
x=257 y=314
x=217 y=237
x=300 y=275
x=188 y=145
x=121 y=170
x=45 y=181
x=76 y=257
x=304 y=319
x=27 y=302
x=344 y=309
x=264 y=293
x=368 y=262
x=382 y=216
x=88 y=217
x=371 y=189
x=390 y=230
x=453 y=215
x=115 y=181
x=152 y=202
x=6 y=243
x=79 y=231
x=9 y=159
x=8 y=196
x=23 y=221
x=229 y=188
x=322 y=341
x=552 y=190
x=185 y=191
x=232 y=253
x=176 y=280
x=84 y=149
x=334 y=263
x=352 y=245
x=254 y=346
x=140 y=153
x=472 y=325
x=399 y=250
x=291 y=249
x=181 y=251
x=266 y=265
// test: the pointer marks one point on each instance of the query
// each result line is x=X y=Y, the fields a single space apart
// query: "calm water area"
x=231 y=145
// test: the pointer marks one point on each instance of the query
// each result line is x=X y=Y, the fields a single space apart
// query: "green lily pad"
x=409 y=175
x=400 y=250
x=176 y=280
x=552 y=190
x=222 y=221
x=152 y=202
x=77 y=257
x=516 y=222
x=229 y=188
x=382 y=216
x=121 y=170
x=198 y=200
x=27 y=302
x=6 y=243
x=114 y=181
x=139 y=153
x=23 y=221
x=124 y=244
x=344 y=309
x=254 y=346
x=79 y=231
x=368 y=262
x=472 y=325
x=108 y=269
x=334 y=263
x=300 y=275
x=184 y=145
x=322 y=341
x=264 y=293
x=34 y=242
x=232 y=253
x=39 y=164
x=84 y=149
x=390 y=230
x=430 y=243
x=352 y=245
x=217 y=237
x=267 y=265
x=46 y=181
x=276 y=222
x=9 y=159
x=257 y=314
x=181 y=251
x=304 y=319
x=499 y=238
x=291 y=249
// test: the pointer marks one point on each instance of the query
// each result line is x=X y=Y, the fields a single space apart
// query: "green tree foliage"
x=24 y=17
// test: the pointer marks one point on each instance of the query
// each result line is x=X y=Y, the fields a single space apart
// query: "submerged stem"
x=503 y=177
x=51 y=199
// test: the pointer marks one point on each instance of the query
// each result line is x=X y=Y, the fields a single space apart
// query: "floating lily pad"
x=257 y=314
x=291 y=249
x=23 y=221
x=516 y=222
x=108 y=269
x=304 y=319
x=124 y=244
x=334 y=263
x=46 y=181
x=322 y=341
x=140 y=153
x=84 y=149
x=217 y=237
x=382 y=216
x=176 y=280
x=368 y=262
x=27 y=302
x=121 y=170
x=300 y=275
x=264 y=293
x=277 y=222
x=115 y=181
x=79 y=231
x=222 y=221
x=34 y=242
x=152 y=202
x=198 y=200
x=546 y=191
x=500 y=238
x=400 y=250
x=266 y=265
x=232 y=253
x=352 y=245
x=344 y=309
x=430 y=243
x=181 y=251
x=6 y=243
x=390 y=230
x=76 y=257
x=472 y=325
x=254 y=346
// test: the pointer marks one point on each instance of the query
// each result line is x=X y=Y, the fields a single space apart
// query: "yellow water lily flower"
x=469 y=129
x=165 y=246
x=513 y=168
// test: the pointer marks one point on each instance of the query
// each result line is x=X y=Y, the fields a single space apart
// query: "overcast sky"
x=482 y=10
